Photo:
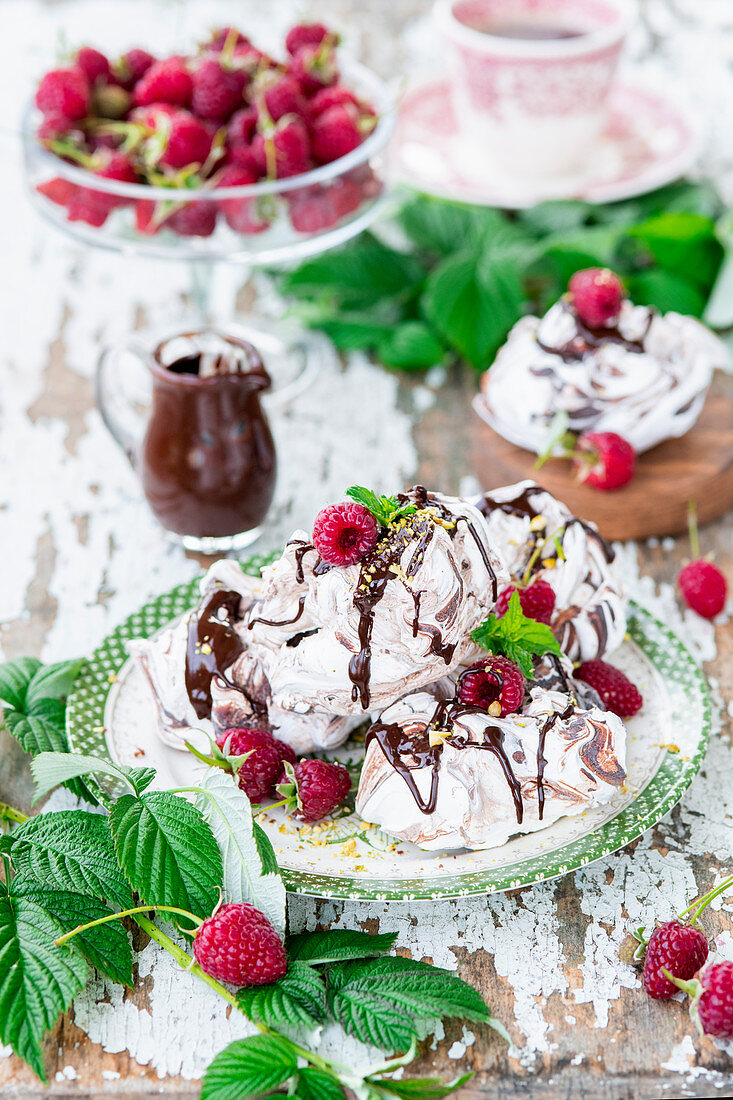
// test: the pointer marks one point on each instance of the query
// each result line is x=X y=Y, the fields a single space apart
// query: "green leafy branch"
x=385 y=510
x=516 y=636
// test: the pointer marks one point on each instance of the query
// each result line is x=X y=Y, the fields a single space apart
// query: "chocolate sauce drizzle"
x=213 y=645
x=279 y=622
x=590 y=338
x=304 y=548
x=541 y=759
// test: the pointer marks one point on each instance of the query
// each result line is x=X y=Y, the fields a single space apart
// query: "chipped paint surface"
x=81 y=550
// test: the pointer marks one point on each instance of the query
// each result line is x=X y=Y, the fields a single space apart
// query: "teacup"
x=531 y=79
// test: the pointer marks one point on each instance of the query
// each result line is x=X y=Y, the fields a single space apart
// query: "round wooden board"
x=697 y=467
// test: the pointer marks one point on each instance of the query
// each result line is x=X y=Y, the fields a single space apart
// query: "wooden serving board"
x=699 y=467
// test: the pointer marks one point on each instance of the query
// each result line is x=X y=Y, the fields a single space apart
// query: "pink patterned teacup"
x=531 y=79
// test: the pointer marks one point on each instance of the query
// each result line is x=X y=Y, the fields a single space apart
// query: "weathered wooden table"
x=79 y=552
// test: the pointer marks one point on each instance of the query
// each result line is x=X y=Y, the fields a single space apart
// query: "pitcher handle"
x=123 y=395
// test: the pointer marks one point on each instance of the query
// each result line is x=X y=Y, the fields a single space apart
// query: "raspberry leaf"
x=70 y=850
x=419 y=1088
x=250 y=868
x=15 y=679
x=52 y=682
x=313 y=1084
x=167 y=851
x=55 y=769
x=338 y=945
x=372 y=1019
x=249 y=1066
x=37 y=979
x=384 y=509
x=296 y=1000
x=515 y=636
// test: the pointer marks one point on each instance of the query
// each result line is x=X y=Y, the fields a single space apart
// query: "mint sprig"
x=385 y=510
x=515 y=636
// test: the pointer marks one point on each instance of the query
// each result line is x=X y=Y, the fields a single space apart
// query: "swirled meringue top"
x=645 y=376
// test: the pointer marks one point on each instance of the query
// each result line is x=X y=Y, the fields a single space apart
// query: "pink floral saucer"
x=647 y=142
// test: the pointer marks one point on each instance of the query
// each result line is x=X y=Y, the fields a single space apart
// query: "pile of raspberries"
x=227 y=116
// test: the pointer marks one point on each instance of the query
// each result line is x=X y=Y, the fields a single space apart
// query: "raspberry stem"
x=692 y=528
x=128 y=913
x=699 y=906
x=9 y=813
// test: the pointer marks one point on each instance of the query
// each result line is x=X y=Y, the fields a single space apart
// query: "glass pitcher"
x=198 y=438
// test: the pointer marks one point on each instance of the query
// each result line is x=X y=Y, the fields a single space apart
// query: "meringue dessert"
x=642 y=374
x=382 y=618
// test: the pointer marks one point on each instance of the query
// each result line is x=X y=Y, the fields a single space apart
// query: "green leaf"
x=419 y=1088
x=361 y=274
x=314 y=1084
x=516 y=636
x=106 y=947
x=37 y=979
x=247 y=1067
x=556 y=216
x=71 y=850
x=338 y=945
x=666 y=290
x=167 y=851
x=353 y=331
x=296 y=1000
x=410 y=346
x=444 y=228
x=54 y=769
x=43 y=730
x=15 y=679
x=384 y=509
x=53 y=681
x=682 y=243
x=228 y=813
x=371 y=1018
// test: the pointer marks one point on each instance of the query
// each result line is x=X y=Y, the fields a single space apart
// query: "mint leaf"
x=296 y=1000
x=419 y=1088
x=15 y=679
x=249 y=865
x=410 y=346
x=338 y=945
x=55 y=769
x=167 y=851
x=249 y=1066
x=37 y=979
x=384 y=509
x=515 y=636
x=106 y=947
x=70 y=850
x=314 y=1084
x=53 y=682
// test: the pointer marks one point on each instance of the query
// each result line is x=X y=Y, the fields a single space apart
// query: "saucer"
x=648 y=141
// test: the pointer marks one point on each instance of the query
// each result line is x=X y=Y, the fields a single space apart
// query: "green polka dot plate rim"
x=665 y=748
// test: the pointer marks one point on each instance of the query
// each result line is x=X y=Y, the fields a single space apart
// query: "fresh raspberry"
x=154 y=116
x=280 y=94
x=146 y=219
x=238 y=945
x=88 y=206
x=320 y=787
x=679 y=948
x=259 y=772
x=604 y=460
x=315 y=67
x=335 y=96
x=344 y=533
x=703 y=587
x=188 y=141
x=93 y=64
x=311 y=210
x=194 y=219
x=284 y=150
x=218 y=90
x=220 y=37
x=492 y=680
x=616 y=690
x=132 y=67
x=345 y=196
x=714 y=1005
x=241 y=215
x=253 y=61
x=335 y=133
x=53 y=126
x=308 y=34
x=242 y=157
x=537 y=601
x=57 y=190
x=241 y=126
x=167 y=81
x=92 y=206
x=596 y=294
x=64 y=92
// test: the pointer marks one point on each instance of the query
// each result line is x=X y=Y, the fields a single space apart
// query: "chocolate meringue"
x=645 y=376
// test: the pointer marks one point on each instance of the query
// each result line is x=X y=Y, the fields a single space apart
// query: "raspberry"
x=344 y=533
x=596 y=294
x=311 y=211
x=703 y=587
x=132 y=67
x=219 y=39
x=64 y=92
x=604 y=460
x=537 y=601
x=493 y=680
x=194 y=219
x=307 y=34
x=335 y=96
x=91 y=206
x=679 y=948
x=315 y=67
x=280 y=94
x=238 y=945
x=335 y=133
x=167 y=81
x=714 y=1004
x=88 y=206
x=259 y=772
x=242 y=157
x=283 y=151
x=217 y=90
x=145 y=217
x=57 y=190
x=241 y=127
x=188 y=141
x=319 y=788
x=345 y=196
x=93 y=64
x=287 y=753
x=53 y=126
x=241 y=214
x=617 y=692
